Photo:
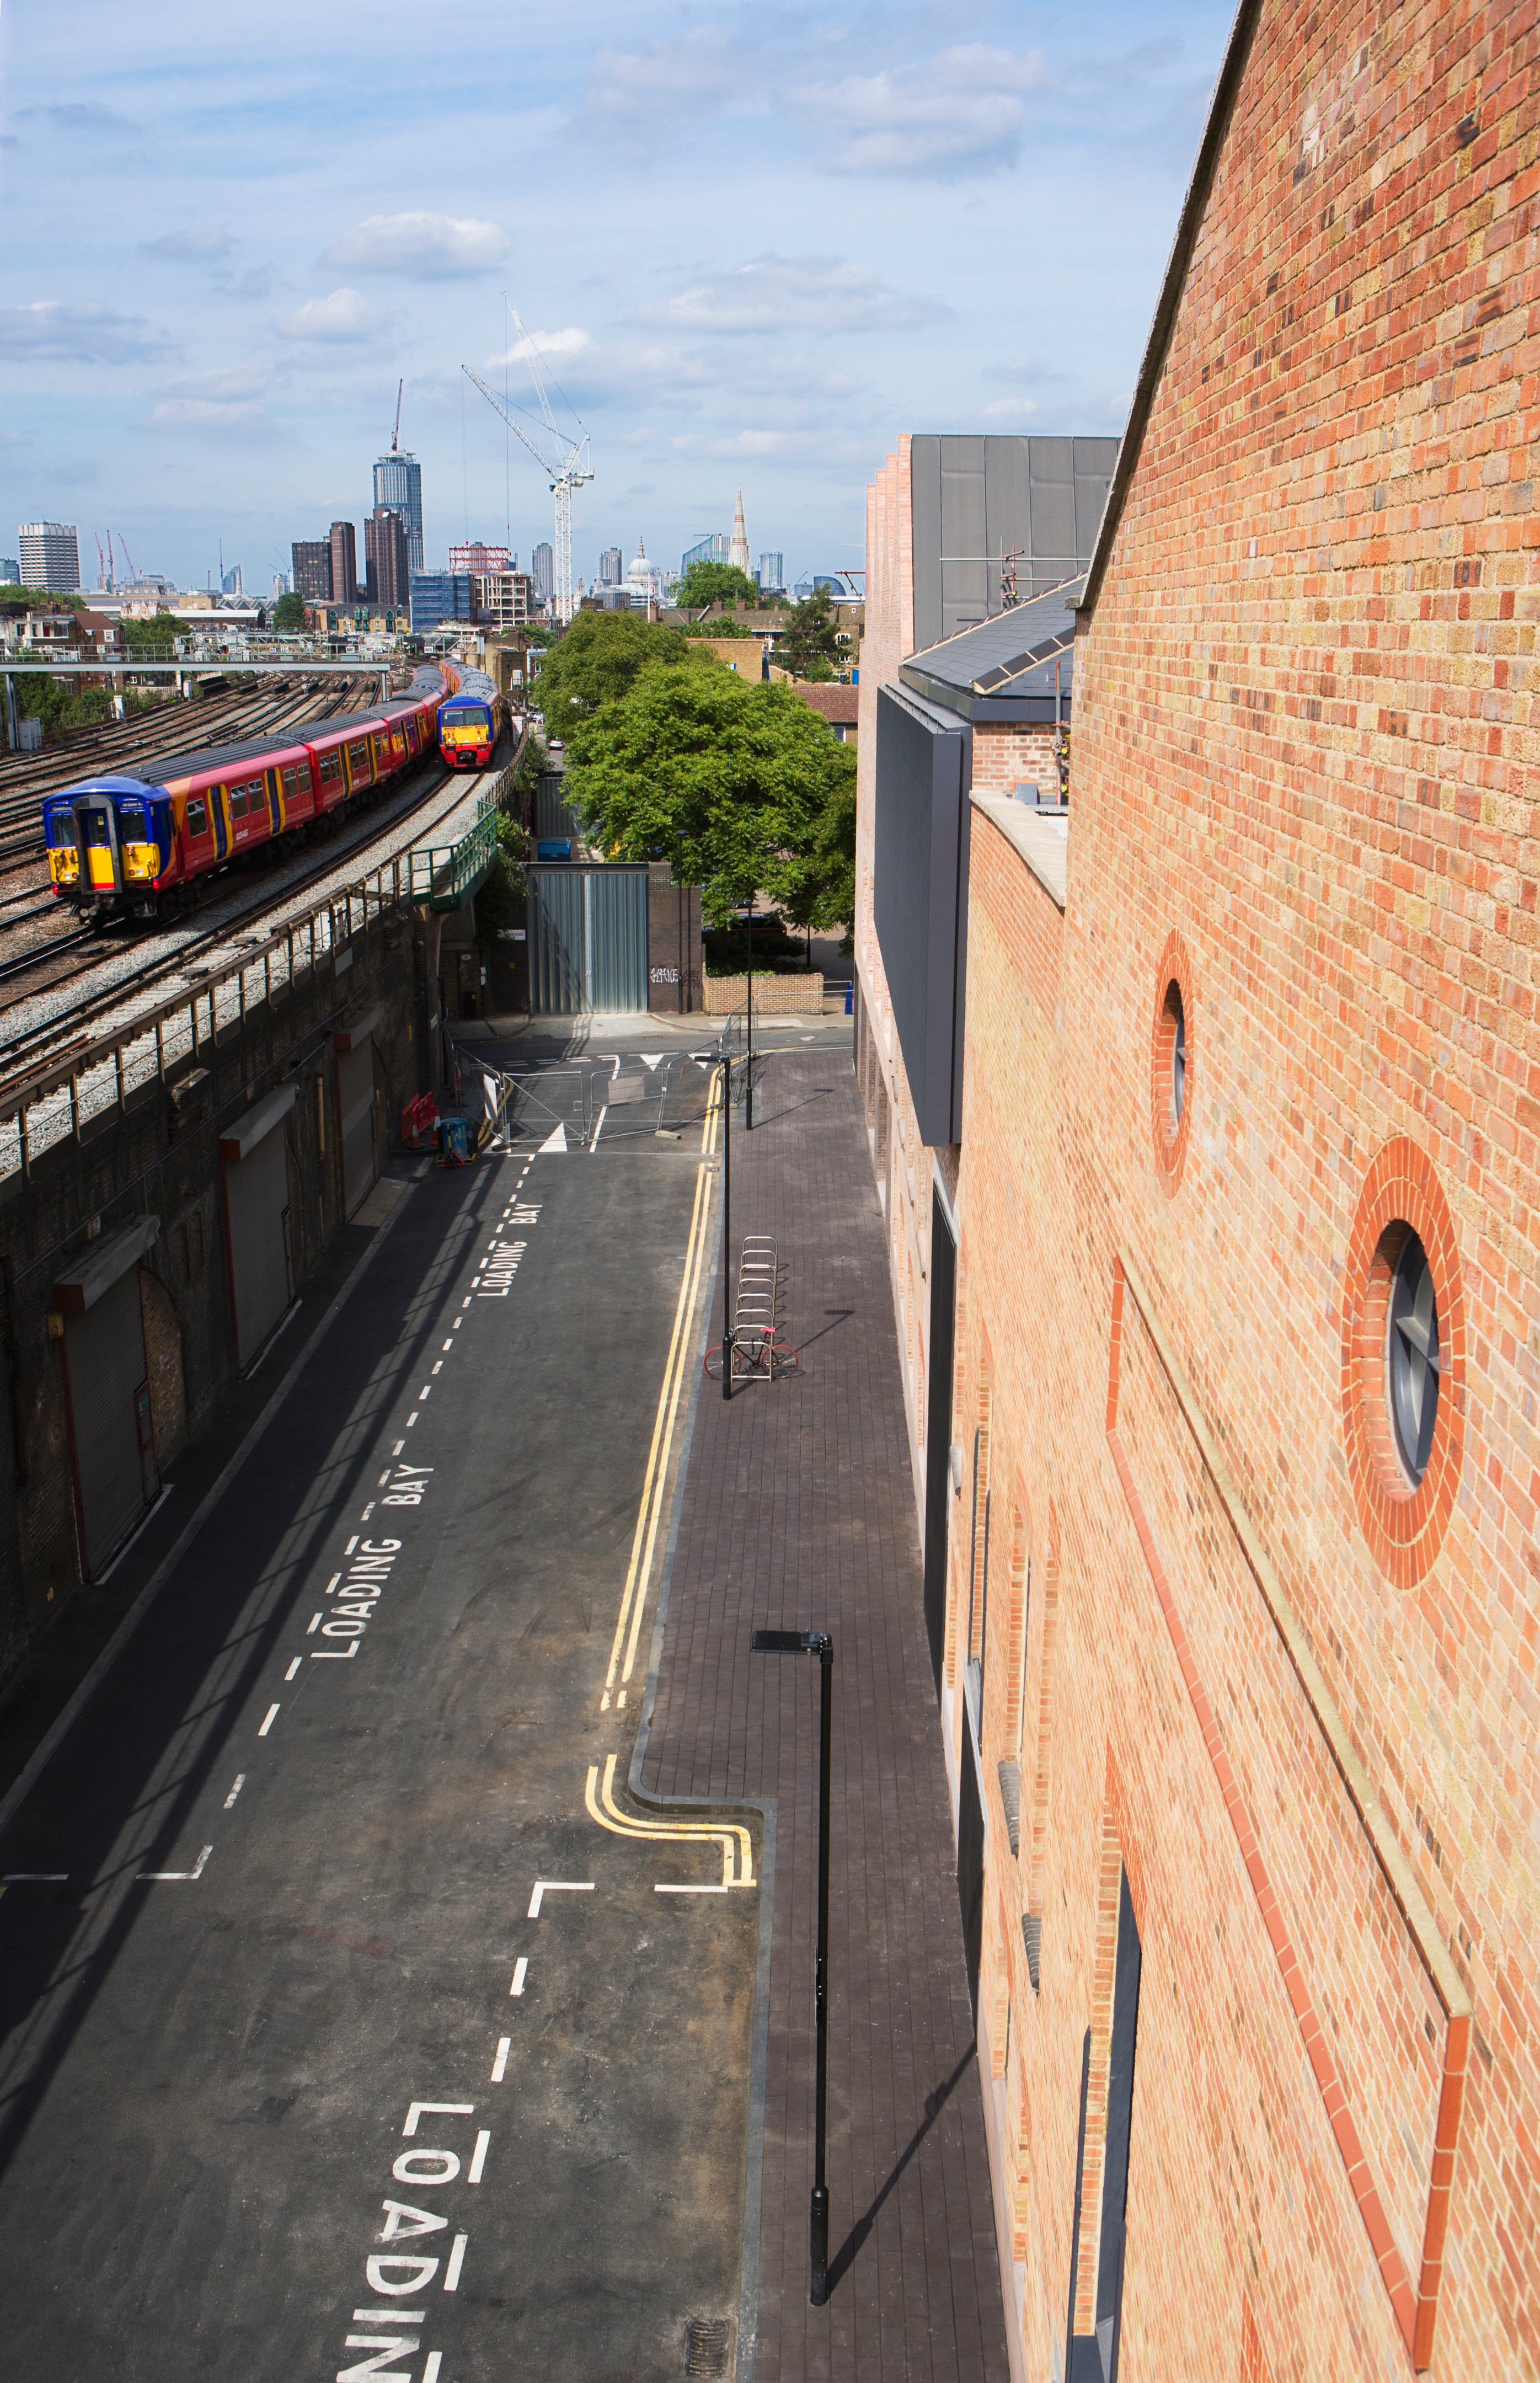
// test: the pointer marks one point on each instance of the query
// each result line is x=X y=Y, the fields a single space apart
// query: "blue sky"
x=753 y=244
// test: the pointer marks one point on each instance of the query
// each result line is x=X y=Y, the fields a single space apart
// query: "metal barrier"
x=444 y=876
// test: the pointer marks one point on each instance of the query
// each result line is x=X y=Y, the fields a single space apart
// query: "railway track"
x=21 y=1051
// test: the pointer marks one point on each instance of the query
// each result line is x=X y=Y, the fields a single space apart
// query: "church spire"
x=737 y=554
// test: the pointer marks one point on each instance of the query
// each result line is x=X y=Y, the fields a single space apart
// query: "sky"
x=748 y=246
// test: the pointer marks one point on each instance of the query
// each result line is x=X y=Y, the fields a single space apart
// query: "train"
x=126 y=846
x=470 y=722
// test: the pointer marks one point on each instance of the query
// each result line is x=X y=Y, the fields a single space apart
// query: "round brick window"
x=1403 y=1361
x=1171 y=1061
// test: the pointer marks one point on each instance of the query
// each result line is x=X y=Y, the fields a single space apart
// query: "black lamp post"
x=723 y=1059
x=819 y=1643
x=748 y=1070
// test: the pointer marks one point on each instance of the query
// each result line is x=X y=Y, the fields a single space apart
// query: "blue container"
x=454 y=1142
x=850 y=998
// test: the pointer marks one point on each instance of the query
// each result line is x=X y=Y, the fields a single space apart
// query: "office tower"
x=10 y=571
x=440 y=596
x=543 y=570
x=344 y=564
x=772 y=571
x=230 y=583
x=50 y=556
x=312 y=569
x=611 y=570
x=705 y=550
x=398 y=484
x=387 y=571
x=737 y=552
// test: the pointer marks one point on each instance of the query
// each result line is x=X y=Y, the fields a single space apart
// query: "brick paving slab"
x=796 y=1510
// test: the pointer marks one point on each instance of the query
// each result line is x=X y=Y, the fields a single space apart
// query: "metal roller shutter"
x=588 y=940
x=256 y=1203
x=355 y=1101
x=109 y=1415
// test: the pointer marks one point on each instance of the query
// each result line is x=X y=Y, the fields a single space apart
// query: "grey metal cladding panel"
x=1094 y=462
x=617 y=940
x=1007 y=507
x=926 y=553
x=920 y=805
x=965 y=576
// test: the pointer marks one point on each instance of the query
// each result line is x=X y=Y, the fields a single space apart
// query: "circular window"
x=1403 y=1359
x=1411 y=1357
x=1171 y=1061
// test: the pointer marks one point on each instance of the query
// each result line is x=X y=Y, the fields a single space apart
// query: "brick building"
x=1204 y=1116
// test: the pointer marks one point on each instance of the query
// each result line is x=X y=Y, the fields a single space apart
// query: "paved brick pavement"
x=796 y=1510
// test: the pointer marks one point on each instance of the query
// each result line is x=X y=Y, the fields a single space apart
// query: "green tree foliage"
x=731 y=782
x=714 y=583
x=62 y=706
x=39 y=599
x=811 y=645
x=597 y=659
x=499 y=903
x=154 y=639
x=288 y=615
x=823 y=894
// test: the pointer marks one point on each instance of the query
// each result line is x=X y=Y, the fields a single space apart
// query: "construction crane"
x=396 y=434
x=570 y=470
x=128 y=558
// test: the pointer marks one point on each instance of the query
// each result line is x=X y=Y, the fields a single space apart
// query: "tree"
x=809 y=646
x=714 y=583
x=288 y=615
x=728 y=782
x=597 y=660
x=824 y=894
x=154 y=639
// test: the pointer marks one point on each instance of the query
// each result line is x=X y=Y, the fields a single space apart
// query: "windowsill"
x=1040 y=836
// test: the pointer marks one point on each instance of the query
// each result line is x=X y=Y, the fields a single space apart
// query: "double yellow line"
x=730 y=1835
x=644 y=1545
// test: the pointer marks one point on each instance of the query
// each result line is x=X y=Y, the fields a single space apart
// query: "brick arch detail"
x=1404 y=1527
x=1175 y=968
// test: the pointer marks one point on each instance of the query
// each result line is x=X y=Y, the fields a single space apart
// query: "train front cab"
x=106 y=846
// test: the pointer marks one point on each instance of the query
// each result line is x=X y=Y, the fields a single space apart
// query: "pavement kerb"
x=42 y=1754
x=748 y=2288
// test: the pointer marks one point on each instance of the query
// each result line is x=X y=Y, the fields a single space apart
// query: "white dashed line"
x=348 y=1549
x=314 y=1625
x=457 y=2260
x=49 y=1878
x=412 y=1418
x=384 y=1480
x=397 y=1449
x=437 y=1367
x=272 y=1716
x=521 y=1970
x=332 y=1583
x=499 y=2066
x=293 y=1668
x=197 y=1870
x=552 y=1886
x=447 y=1346
x=239 y=1782
x=689 y=1889
x=478 y=2157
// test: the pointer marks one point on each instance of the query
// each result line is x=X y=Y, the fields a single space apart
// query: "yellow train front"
x=470 y=723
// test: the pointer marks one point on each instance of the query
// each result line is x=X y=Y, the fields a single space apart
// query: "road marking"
x=689 y=1889
x=332 y=1583
x=555 y=1141
x=478 y=2157
x=556 y=1887
x=430 y=2370
x=499 y=2066
x=351 y=1544
x=383 y=1478
x=293 y=1668
x=368 y=1512
x=454 y=1327
x=412 y=1418
x=464 y=1304
x=314 y=1625
x=457 y=2260
x=623 y=1653
x=427 y=1390
x=520 y=1967
x=416 y=2110
x=239 y=1782
x=197 y=1870
x=35 y=1877
x=602 y=1807
x=447 y=1346
x=599 y=1129
x=439 y=1367
x=397 y=1449
x=272 y=1716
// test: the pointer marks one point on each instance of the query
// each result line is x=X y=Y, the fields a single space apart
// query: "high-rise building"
x=50 y=556
x=542 y=564
x=10 y=571
x=611 y=569
x=344 y=564
x=737 y=552
x=704 y=549
x=504 y=599
x=387 y=571
x=312 y=569
x=230 y=581
x=771 y=571
x=437 y=596
x=398 y=484
x=476 y=557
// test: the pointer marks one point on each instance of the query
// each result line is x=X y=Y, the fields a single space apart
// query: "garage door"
x=356 y=1100
x=255 y=1157
x=112 y=1442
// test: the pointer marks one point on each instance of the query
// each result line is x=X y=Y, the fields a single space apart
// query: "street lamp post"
x=819 y=1643
x=726 y=1217
x=749 y=1069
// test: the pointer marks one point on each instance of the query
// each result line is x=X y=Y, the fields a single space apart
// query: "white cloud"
x=665 y=78
x=190 y=247
x=774 y=294
x=226 y=404
x=345 y=317
x=1024 y=371
x=944 y=119
x=1012 y=409
x=425 y=247
x=544 y=344
x=52 y=331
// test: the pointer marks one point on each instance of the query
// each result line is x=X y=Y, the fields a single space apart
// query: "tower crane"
x=570 y=469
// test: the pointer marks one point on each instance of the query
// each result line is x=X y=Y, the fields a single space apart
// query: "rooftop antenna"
x=396 y=434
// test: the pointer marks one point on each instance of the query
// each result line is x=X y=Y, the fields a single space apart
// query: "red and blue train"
x=470 y=722
x=135 y=846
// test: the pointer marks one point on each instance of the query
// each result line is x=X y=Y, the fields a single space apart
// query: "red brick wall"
x=1304 y=745
x=1001 y=755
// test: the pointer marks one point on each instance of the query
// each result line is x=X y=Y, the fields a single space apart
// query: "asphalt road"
x=298 y=2075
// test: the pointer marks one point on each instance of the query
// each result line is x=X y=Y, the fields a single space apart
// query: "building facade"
x=398 y=484
x=503 y=599
x=542 y=565
x=441 y=596
x=50 y=556
x=312 y=559
x=388 y=574
x=344 y=564
x=1202 y=1113
x=771 y=573
x=611 y=567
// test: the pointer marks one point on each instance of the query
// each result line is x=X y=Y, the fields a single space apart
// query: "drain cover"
x=707 y=2343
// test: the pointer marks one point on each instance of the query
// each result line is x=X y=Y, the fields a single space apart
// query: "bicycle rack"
x=757 y=1352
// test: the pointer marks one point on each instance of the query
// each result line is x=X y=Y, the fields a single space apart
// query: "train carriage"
x=471 y=721
x=119 y=844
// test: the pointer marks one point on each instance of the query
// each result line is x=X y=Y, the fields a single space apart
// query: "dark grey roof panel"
x=926 y=529
x=975 y=500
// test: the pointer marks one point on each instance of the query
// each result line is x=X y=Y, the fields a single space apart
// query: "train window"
x=197 y=816
x=359 y=754
x=238 y=802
